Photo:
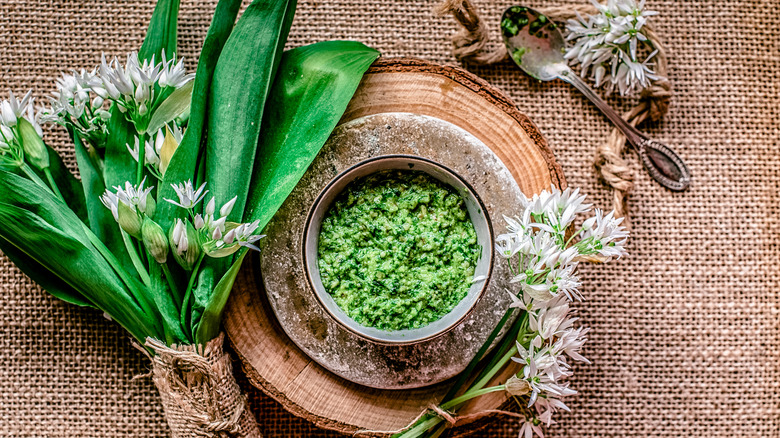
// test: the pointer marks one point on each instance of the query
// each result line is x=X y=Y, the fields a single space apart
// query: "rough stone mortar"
x=298 y=311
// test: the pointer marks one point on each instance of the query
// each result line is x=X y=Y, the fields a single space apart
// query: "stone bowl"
x=477 y=213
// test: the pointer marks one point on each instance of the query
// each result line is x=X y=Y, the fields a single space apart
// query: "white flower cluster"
x=137 y=88
x=543 y=257
x=217 y=237
x=133 y=208
x=15 y=113
x=130 y=205
x=78 y=104
x=606 y=45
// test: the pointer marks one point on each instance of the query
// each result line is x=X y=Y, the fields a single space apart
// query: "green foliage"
x=312 y=89
x=161 y=35
x=240 y=86
x=47 y=231
x=257 y=118
x=185 y=159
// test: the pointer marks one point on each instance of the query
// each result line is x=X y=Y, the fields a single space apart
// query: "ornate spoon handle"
x=663 y=164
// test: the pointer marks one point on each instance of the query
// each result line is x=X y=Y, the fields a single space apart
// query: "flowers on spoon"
x=607 y=46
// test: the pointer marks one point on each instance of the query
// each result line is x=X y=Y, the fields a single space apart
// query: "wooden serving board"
x=271 y=360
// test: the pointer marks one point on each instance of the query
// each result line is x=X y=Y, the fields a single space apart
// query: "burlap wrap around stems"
x=199 y=393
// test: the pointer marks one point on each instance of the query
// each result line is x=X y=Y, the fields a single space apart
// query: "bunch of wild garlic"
x=607 y=46
x=543 y=253
x=179 y=172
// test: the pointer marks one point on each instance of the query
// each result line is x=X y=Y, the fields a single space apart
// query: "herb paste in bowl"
x=397 y=250
x=392 y=248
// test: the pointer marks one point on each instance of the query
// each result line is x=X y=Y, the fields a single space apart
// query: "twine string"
x=472 y=45
x=190 y=379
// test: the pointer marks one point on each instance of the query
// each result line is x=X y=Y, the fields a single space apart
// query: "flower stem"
x=171 y=284
x=433 y=421
x=438 y=430
x=421 y=428
x=139 y=266
x=140 y=168
x=482 y=351
x=188 y=292
x=496 y=368
x=510 y=338
x=54 y=188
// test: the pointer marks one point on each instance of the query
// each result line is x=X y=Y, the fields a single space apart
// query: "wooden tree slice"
x=270 y=359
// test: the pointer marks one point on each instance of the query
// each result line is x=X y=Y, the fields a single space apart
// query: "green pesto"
x=397 y=250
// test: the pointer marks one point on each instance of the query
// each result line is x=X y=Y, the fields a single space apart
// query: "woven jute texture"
x=685 y=333
x=199 y=393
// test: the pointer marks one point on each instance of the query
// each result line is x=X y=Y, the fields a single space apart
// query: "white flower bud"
x=7 y=115
x=230 y=236
x=184 y=240
x=34 y=150
x=517 y=387
x=228 y=207
x=210 y=207
x=198 y=221
x=128 y=219
x=154 y=240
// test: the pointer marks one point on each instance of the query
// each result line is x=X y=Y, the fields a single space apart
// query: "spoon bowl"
x=537 y=46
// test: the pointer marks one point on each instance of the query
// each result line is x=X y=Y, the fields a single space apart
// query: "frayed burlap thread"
x=199 y=393
x=472 y=44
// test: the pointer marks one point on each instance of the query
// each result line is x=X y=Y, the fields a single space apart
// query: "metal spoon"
x=537 y=47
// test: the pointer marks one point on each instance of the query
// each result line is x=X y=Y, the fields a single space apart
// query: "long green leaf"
x=101 y=221
x=240 y=86
x=39 y=274
x=242 y=80
x=184 y=161
x=208 y=328
x=120 y=166
x=312 y=89
x=68 y=185
x=40 y=230
x=161 y=35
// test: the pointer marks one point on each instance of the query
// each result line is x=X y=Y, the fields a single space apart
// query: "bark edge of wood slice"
x=269 y=358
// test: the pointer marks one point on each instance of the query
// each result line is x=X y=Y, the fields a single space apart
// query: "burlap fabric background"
x=685 y=333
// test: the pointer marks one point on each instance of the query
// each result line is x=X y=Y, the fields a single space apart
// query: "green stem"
x=188 y=292
x=438 y=430
x=509 y=339
x=482 y=350
x=140 y=168
x=53 y=184
x=496 y=368
x=171 y=284
x=420 y=428
x=426 y=424
x=472 y=393
x=139 y=266
x=35 y=178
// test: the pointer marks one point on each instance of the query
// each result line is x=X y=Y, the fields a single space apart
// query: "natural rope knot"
x=199 y=393
x=444 y=415
x=470 y=45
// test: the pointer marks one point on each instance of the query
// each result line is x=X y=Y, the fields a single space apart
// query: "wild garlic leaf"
x=184 y=160
x=161 y=34
x=311 y=92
